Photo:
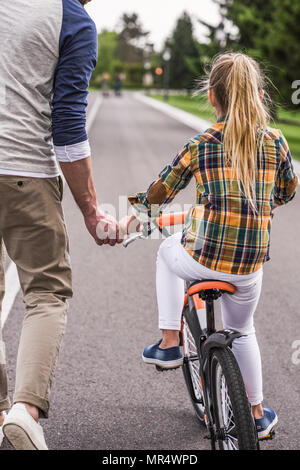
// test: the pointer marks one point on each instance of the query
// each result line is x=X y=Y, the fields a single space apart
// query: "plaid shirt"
x=221 y=231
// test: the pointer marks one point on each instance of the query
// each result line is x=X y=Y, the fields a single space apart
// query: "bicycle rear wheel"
x=232 y=412
x=191 y=369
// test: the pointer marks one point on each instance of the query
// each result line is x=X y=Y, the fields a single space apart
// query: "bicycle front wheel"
x=232 y=412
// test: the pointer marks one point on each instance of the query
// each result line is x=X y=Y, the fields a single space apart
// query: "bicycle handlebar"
x=132 y=238
x=163 y=220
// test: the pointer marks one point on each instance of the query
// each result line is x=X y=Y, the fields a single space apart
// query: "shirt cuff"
x=72 y=153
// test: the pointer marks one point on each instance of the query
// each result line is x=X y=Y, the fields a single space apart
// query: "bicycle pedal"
x=163 y=369
x=269 y=437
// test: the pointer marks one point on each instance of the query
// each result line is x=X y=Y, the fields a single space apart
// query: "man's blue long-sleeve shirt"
x=77 y=60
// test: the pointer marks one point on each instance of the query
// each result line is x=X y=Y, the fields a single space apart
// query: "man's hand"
x=103 y=228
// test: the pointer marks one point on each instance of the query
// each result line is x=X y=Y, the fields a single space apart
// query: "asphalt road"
x=104 y=397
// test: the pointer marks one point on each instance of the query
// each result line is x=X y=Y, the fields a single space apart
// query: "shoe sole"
x=162 y=364
x=267 y=432
x=18 y=437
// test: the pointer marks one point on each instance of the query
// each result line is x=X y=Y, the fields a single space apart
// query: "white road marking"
x=12 y=284
x=93 y=113
x=182 y=116
x=297 y=168
x=196 y=123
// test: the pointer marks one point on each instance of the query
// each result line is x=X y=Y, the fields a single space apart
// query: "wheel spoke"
x=191 y=351
x=231 y=444
x=227 y=421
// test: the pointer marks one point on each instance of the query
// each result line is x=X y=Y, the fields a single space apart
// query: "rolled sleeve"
x=72 y=153
x=286 y=180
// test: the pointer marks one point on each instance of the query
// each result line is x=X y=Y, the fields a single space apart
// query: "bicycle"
x=211 y=372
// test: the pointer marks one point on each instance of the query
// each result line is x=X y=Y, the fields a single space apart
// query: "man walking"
x=48 y=52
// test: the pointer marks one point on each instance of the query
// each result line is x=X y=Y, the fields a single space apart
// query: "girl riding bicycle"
x=243 y=170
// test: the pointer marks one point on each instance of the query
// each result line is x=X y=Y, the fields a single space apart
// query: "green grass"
x=197 y=105
x=292 y=135
x=200 y=107
x=289 y=115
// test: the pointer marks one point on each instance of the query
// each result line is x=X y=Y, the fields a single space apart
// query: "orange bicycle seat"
x=211 y=285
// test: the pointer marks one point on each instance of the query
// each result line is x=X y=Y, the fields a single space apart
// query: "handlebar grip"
x=167 y=220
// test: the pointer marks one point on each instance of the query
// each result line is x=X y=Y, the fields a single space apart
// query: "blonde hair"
x=238 y=86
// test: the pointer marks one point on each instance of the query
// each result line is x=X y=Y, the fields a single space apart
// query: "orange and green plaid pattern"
x=221 y=231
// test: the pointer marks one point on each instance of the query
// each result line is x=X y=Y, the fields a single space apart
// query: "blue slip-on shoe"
x=169 y=358
x=266 y=424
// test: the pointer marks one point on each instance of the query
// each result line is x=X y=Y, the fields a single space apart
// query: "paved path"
x=104 y=397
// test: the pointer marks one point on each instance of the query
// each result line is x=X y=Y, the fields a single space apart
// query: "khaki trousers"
x=34 y=234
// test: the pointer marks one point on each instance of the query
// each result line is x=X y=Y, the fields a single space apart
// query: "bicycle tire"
x=191 y=373
x=227 y=383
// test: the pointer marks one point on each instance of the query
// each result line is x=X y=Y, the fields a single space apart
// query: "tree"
x=108 y=43
x=280 y=46
x=122 y=52
x=131 y=40
x=271 y=34
x=107 y=46
x=184 y=54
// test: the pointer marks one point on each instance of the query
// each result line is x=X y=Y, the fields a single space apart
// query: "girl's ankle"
x=257 y=411
x=170 y=339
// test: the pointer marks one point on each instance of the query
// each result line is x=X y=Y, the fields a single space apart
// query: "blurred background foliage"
x=269 y=31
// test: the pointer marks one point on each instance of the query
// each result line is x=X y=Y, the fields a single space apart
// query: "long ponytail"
x=238 y=83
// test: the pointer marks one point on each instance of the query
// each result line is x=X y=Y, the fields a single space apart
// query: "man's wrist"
x=89 y=209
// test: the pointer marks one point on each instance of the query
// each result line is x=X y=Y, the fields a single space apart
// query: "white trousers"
x=174 y=266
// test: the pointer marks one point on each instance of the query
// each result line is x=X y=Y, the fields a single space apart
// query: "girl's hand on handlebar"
x=129 y=224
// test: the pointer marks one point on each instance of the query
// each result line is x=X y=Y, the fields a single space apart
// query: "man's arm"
x=80 y=180
x=77 y=59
